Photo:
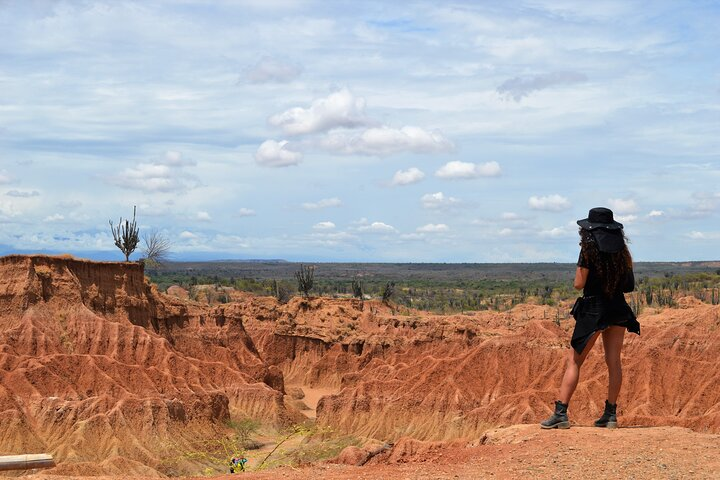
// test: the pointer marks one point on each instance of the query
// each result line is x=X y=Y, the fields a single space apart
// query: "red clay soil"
x=524 y=451
x=520 y=452
x=109 y=375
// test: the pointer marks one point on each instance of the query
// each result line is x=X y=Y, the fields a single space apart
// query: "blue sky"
x=360 y=131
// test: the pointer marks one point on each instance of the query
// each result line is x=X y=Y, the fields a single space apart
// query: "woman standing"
x=604 y=273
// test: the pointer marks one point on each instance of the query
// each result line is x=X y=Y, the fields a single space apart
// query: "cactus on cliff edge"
x=126 y=236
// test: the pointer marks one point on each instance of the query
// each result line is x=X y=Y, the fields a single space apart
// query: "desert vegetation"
x=126 y=235
x=448 y=288
x=306 y=279
x=264 y=447
x=156 y=249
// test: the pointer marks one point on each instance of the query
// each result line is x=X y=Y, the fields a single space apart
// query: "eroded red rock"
x=103 y=371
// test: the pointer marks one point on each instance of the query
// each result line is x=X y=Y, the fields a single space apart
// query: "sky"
x=360 y=131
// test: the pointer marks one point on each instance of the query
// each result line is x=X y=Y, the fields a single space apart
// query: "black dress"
x=596 y=311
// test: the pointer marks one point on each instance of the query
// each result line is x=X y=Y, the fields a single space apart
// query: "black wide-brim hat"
x=606 y=232
x=600 y=217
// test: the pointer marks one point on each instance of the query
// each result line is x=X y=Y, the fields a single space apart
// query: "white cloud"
x=433 y=228
x=550 y=203
x=203 y=217
x=386 y=141
x=324 y=226
x=175 y=159
x=623 y=205
x=566 y=231
x=438 y=200
x=339 y=109
x=655 y=214
x=272 y=70
x=377 y=227
x=510 y=216
x=704 y=203
x=246 y=212
x=412 y=236
x=553 y=232
x=332 y=238
x=407 y=177
x=324 y=203
x=228 y=242
x=4 y=178
x=696 y=235
x=504 y=232
x=7 y=209
x=187 y=235
x=625 y=218
x=275 y=154
x=519 y=87
x=457 y=169
x=165 y=175
x=54 y=218
x=23 y=193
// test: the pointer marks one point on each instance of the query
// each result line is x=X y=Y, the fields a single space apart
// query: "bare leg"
x=613 y=342
x=572 y=371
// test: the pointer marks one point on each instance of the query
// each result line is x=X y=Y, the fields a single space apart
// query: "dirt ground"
x=526 y=451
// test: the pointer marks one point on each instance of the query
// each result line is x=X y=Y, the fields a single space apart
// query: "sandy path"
x=312 y=397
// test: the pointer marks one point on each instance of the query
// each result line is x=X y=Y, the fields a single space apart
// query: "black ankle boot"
x=559 y=419
x=609 y=417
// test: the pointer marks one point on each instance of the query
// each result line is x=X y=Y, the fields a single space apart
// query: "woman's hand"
x=581 y=275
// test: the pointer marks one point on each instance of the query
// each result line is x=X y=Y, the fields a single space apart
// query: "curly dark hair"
x=611 y=268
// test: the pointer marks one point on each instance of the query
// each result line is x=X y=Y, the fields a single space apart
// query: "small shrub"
x=281 y=292
x=156 y=249
x=244 y=430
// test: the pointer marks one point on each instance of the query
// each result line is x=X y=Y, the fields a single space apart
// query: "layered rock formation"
x=104 y=372
x=98 y=368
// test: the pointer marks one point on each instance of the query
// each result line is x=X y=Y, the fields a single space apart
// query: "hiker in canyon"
x=604 y=273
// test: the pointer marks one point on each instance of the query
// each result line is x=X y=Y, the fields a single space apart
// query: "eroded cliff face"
x=95 y=364
x=101 y=370
x=510 y=370
x=431 y=377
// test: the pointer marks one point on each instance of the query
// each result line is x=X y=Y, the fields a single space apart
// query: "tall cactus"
x=648 y=296
x=636 y=304
x=357 y=288
x=357 y=291
x=126 y=236
x=305 y=278
x=388 y=292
